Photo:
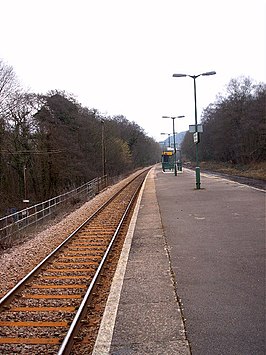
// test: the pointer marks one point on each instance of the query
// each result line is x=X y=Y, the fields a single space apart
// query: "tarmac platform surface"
x=191 y=276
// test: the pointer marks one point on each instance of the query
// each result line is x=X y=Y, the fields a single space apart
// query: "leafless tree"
x=9 y=86
x=234 y=125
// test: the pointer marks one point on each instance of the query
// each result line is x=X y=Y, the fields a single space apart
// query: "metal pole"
x=174 y=145
x=103 y=150
x=169 y=142
x=25 y=182
x=194 y=77
x=196 y=130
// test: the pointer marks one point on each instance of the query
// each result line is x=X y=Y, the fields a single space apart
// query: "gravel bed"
x=42 y=332
x=41 y=302
x=19 y=260
x=32 y=316
x=28 y=349
x=76 y=291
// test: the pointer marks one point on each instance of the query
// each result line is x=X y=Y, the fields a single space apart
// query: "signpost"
x=196 y=129
x=196 y=137
x=192 y=128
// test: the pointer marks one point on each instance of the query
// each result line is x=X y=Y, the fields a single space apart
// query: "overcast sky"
x=118 y=56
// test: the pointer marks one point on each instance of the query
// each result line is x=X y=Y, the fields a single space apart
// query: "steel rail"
x=67 y=337
x=8 y=296
x=66 y=346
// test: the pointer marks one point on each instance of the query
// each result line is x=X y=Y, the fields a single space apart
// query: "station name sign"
x=196 y=137
x=192 y=128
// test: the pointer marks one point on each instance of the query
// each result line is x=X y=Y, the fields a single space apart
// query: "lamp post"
x=173 y=118
x=169 y=142
x=25 y=200
x=103 y=150
x=194 y=77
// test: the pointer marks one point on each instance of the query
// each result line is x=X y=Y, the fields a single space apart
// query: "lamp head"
x=209 y=73
x=179 y=75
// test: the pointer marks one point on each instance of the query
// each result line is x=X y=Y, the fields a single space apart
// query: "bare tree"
x=9 y=86
x=58 y=143
x=234 y=125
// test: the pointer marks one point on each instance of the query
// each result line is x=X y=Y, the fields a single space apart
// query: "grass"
x=253 y=170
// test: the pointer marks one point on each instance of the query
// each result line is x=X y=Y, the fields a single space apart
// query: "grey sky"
x=119 y=55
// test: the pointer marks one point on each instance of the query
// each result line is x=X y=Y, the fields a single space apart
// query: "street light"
x=103 y=150
x=194 y=77
x=25 y=200
x=173 y=118
x=169 y=142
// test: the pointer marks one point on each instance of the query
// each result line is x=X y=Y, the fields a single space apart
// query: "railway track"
x=43 y=313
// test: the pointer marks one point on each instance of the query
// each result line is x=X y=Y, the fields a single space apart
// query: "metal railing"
x=17 y=221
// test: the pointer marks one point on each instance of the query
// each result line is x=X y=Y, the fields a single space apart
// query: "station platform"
x=183 y=258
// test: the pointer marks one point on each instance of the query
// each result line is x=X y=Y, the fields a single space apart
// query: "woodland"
x=50 y=144
x=233 y=126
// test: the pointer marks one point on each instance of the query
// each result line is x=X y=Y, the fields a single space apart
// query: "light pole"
x=25 y=184
x=103 y=150
x=194 y=77
x=169 y=142
x=173 y=118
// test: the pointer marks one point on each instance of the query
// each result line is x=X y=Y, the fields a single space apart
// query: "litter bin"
x=179 y=165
